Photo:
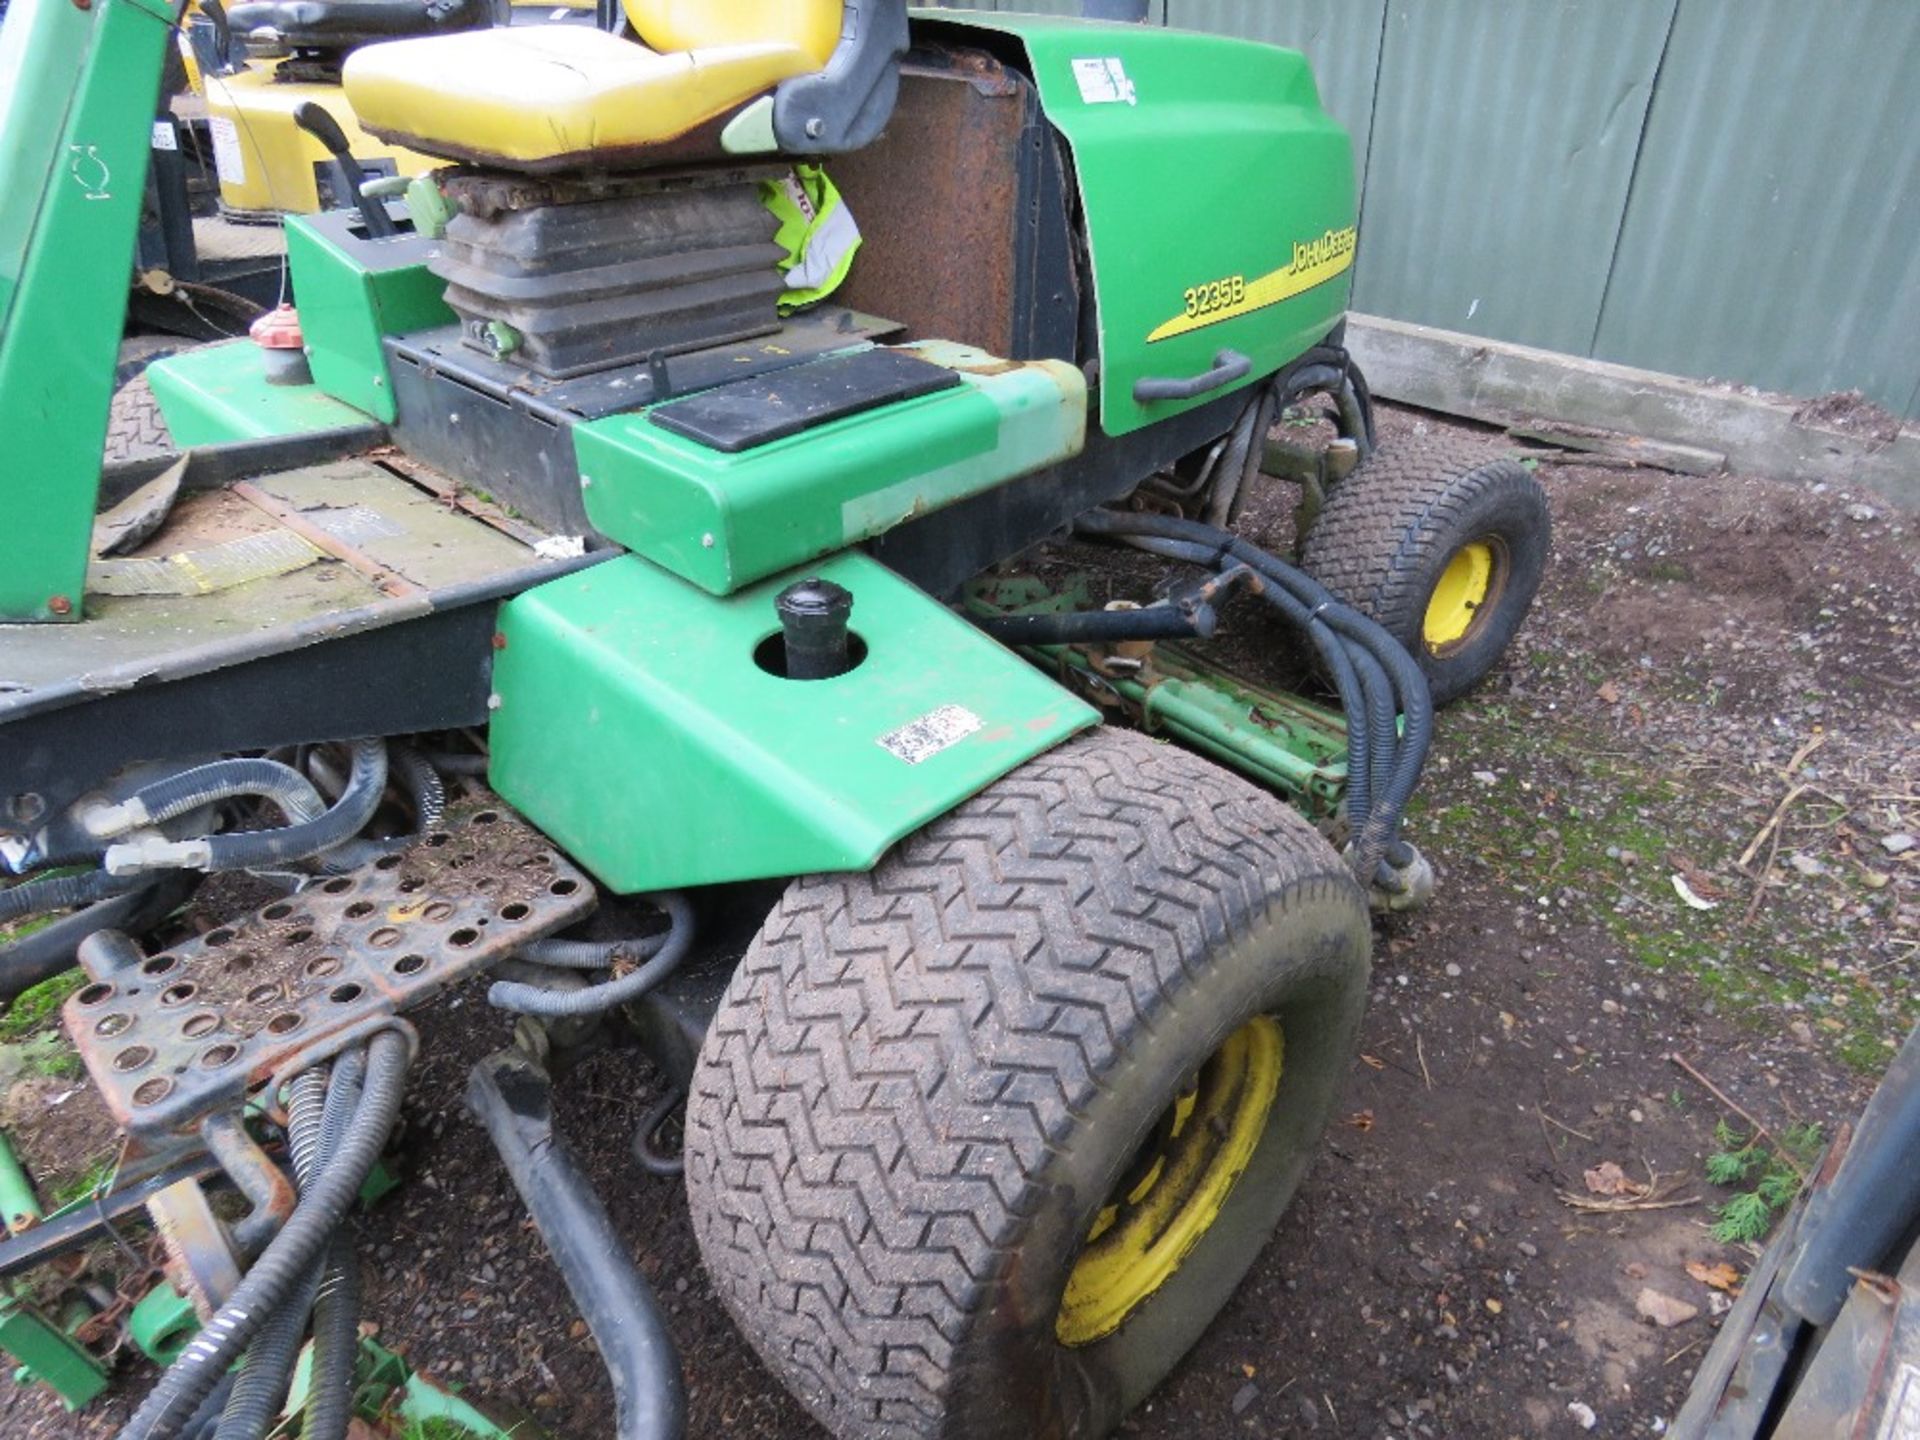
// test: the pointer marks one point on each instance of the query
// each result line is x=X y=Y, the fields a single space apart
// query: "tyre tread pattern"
x=901 y=1051
x=1369 y=543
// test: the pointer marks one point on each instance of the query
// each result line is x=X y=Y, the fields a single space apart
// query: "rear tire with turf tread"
x=924 y=1081
x=1390 y=529
x=136 y=428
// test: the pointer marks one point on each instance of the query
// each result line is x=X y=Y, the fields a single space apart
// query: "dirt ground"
x=1718 y=684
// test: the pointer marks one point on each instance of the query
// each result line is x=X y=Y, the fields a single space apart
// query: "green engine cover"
x=636 y=727
x=724 y=520
x=1219 y=198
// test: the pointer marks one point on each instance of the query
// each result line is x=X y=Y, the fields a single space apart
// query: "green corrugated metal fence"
x=1701 y=186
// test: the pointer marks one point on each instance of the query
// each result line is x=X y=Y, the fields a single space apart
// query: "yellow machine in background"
x=268 y=165
x=257 y=65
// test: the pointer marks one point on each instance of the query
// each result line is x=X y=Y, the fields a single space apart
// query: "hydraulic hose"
x=1354 y=701
x=53 y=948
x=281 y=1266
x=592 y=954
x=595 y=999
x=427 y=794
x=1376 y=827
x=264 y=849
x=63 y=892
x=187 y=791
x=349 y=815
x=1097 y=627
x=513 y=1096
x=336 y=1343
x=336 y=1305
x=261 y=1383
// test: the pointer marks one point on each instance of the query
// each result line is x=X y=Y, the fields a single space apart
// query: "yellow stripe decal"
x=1314 y=262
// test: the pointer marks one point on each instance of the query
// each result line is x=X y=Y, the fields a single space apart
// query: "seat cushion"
x=548 y=97
x=664 y=25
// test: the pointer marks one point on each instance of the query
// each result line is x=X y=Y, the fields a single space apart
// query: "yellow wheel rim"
x=1461 y=595
x=1178 y=1185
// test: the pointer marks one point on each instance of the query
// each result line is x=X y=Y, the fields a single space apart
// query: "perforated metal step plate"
x=192 y=1029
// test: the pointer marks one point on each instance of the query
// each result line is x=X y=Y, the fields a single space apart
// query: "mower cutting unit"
x=629 y=534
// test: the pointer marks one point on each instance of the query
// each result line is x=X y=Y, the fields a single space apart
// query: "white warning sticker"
x=931 y=733
x=1104 y=81
x=164 y=137
x=228 y=158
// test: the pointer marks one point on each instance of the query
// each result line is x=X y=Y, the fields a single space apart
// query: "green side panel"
x=162 y=1324
x=217 y=393
x=1219 y=198
x=19 y=1206
x=726 y=520
x=350 y=299
x=48 y=1354
x=77 y=92
x=635 y=727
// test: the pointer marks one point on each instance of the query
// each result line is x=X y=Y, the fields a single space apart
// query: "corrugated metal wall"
x=1726 y=188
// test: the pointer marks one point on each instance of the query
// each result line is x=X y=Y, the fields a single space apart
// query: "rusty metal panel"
x=192 y=1029
x=1503 y=144
x=936 y=200
x=1770 y=238
x=1340 y=38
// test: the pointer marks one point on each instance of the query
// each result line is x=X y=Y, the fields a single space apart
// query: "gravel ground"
x=1718 y=684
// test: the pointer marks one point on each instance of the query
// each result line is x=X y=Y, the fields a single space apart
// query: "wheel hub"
x=1460 y=595
x=1175 y=1189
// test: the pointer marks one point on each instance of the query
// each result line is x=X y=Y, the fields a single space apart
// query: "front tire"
x=1442 y=545
x=949 y=1108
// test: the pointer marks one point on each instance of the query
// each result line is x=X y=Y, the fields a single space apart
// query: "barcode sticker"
x=931 y=733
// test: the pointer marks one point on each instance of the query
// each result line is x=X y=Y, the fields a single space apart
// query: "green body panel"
x=725 y=520
x=218 y=393
x=348 y=306
x=634 y=726
x=78 y=88
x=49 y=1354
x=19 y=1206
x=162 y=1323
x=1206 y=182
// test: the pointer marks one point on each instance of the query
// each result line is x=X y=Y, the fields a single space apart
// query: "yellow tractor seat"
x=551 y=97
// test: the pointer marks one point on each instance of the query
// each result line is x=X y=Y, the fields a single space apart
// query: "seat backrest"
x=812 y=26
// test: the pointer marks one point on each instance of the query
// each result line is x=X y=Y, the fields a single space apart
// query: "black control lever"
x=346 y=170
x=216 y=14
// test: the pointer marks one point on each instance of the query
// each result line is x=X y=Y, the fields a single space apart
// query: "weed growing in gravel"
x=1768 y=1178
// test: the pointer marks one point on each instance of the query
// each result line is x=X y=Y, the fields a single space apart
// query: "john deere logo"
x=1313 y=263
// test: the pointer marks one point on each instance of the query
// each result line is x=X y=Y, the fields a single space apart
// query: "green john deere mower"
x=610 y=582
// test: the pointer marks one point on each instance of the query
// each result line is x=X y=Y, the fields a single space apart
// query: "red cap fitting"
x=277 y=330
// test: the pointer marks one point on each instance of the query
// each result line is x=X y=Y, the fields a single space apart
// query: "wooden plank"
x=1506 y=384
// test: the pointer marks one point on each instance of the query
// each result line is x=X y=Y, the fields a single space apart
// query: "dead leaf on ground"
x=1373 y=1062
x=1698 y=880
x=1721 y=1277
x=1664 y=1310
x=1607 y=1178
x=1609 y=692
x=1694 y=900
x=1361 y=1120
